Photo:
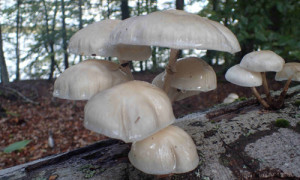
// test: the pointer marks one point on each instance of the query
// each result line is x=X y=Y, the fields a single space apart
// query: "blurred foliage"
x=258 y=25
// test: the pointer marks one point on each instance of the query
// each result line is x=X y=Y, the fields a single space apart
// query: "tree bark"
x=64 y=34
x=179 y=6
x=3 y=67
x=17 y=41
x=80 y=21
x=50 y=38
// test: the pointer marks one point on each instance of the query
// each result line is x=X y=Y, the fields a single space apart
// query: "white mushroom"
x=170 y=150
x=230 y=98
x=243 y=77
x=193 y=75
x=289 y=72
x=263 y=61
x=175 y=29
x=94 y=40
x=130 y=111
x=83 y=80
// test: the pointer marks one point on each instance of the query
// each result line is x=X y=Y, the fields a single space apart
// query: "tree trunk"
x=64 y=34
x=180 y=6
x=80 y=21
x=50 y=38
x=17 y=41
x=125 y=9
x=126 y=14
x=3 y=67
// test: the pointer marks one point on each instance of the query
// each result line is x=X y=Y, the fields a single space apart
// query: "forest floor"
x=21 y=120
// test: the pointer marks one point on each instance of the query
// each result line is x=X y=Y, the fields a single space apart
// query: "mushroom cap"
x=262 y=61
x=174 y=93
x=194 y=74
x=130 y=111
x=230 y=98
x=175 y=29
x=83 y=80
x=243 y=77
x=94 y=40
x=233 y=95
x=288 y=70
x=170 y=150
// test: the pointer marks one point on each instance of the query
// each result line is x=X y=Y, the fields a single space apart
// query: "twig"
x=20 y=95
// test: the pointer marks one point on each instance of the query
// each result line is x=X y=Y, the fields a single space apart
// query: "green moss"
x=241 y=99
x=297 y=103
x=282 y=123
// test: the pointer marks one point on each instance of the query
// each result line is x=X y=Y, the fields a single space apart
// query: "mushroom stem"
x=284 y=91
x=256 y=94
x=170 y=69
x=266 y=87
x=126 y=68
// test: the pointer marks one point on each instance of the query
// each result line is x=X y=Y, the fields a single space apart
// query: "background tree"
x=18 y=26
x=64 y=34
x=3 y=68
x=36 y=33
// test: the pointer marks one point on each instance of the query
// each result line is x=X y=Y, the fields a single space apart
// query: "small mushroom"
x=289 y=72
x=170 y=150
x=130 y=111
x=243 y=77
x=193 y=75
x=263 y=61
x=175 y=29
x=83 y=80
x=230 y=98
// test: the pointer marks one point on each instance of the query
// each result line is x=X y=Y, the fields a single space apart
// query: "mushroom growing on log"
x=174 y=29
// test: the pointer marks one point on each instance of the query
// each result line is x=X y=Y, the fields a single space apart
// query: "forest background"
x=35 y=34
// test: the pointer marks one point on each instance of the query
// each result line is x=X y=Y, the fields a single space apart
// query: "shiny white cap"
x=175 y=29
x=94 y=40
x=291 y=69
x=130 y=111
x=170 y=150
x=243 y=77
x=83 y=80
x=262 y=61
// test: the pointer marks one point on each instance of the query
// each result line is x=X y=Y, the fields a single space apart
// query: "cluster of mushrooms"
x=138 y=112
x=251 y=72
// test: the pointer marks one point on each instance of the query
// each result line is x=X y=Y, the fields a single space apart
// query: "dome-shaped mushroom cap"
x=262 y=61
x=174 y=93
x=230 y=98
x=175 y=29
x=233 y=96
x=83 y=80
x=94 y=40
x=242 y=77
x=170 y=150
x=289 y=70
x=130 y=111
x=194 y=74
